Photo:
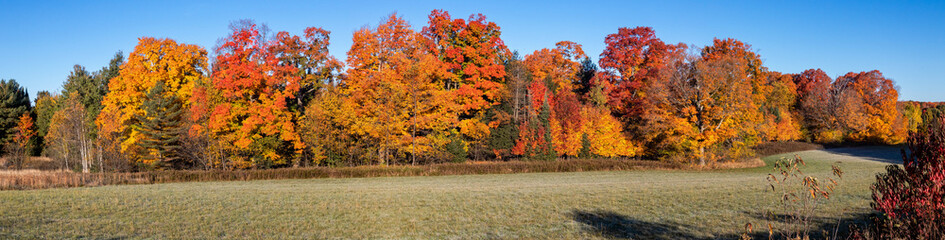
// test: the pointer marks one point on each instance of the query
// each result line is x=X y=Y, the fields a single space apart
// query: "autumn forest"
x=449 y=91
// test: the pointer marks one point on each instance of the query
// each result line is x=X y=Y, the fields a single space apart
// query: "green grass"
x=636 y=204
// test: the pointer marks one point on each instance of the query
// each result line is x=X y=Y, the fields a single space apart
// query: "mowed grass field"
x=649 y=204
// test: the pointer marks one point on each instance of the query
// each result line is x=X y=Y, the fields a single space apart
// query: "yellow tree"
x=708 y=100
x=395 y=91
x=751 y=69
x=604 y=132
x=154 y=60
x=911 y=114
x=67 y=135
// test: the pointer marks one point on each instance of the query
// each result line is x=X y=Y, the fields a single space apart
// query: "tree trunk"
x=702 y=156
x=413 y=134
x=84 y=153
x=101 y=163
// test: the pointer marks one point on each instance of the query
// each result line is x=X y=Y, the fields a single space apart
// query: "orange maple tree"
x=473 y=51
x=252 y=99
x=557 y=69
x=705 y=101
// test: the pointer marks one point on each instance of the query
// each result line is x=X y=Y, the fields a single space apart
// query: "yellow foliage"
x=396 y=93
x=566 y=141
x=473 y=128
x=604 y=133
x=153 y=60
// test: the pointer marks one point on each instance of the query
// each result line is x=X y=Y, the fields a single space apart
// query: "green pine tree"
x=161 y=129
x=502 y=137
x=45 y=106
x=585 y=147
x=14 y=101
x=456 y=148
x=544 y=118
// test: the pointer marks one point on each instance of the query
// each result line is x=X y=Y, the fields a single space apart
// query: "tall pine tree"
x=160 y=129
x=547 y=150
x=14 y=101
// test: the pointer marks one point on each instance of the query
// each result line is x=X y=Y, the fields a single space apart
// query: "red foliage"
x=809 y=80
x=472 y=49
x=533 y=137
x=631 y=58
x=912 y=198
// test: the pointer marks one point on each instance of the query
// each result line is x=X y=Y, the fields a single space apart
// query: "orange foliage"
x=178 y=66
x=705 y=104
x=872 y=99
x=559 y=65
x=751 y=69
x=781 y=122
x=472 y=51
x=632 y=60
x=569 y=119
x=559 y=68
x=395 y=92
x=252 y=101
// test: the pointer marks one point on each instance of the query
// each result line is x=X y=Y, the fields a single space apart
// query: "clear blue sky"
x=40 y=41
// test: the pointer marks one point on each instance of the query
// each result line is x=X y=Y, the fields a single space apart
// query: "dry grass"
x=750 y=163
x=676 y=204
x=38 y=163
x=34 y=179
x=773 y=148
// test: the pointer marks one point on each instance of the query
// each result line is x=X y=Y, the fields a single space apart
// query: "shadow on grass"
x=885 y=154
x=614 y=225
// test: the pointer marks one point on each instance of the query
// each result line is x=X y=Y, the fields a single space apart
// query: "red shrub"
x=910 y=198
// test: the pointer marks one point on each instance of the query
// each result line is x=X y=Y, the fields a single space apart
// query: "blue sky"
x=40 y=41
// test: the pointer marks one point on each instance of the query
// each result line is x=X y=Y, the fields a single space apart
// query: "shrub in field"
x=799 y=196
x=911 y=199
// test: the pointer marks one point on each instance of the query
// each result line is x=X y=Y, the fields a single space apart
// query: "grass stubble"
x=561 y=205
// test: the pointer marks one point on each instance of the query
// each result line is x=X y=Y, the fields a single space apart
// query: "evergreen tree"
x=502 y=138
x=456 y=148
x=104 y=76
x=586 y=77
x=86 y=87
x=44 y=107
x=91 y=88
x=14 y=101
x=585 y=147
x=544 y=118
x=160 y=128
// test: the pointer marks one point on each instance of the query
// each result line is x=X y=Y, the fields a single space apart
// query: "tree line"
x=451 y=91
